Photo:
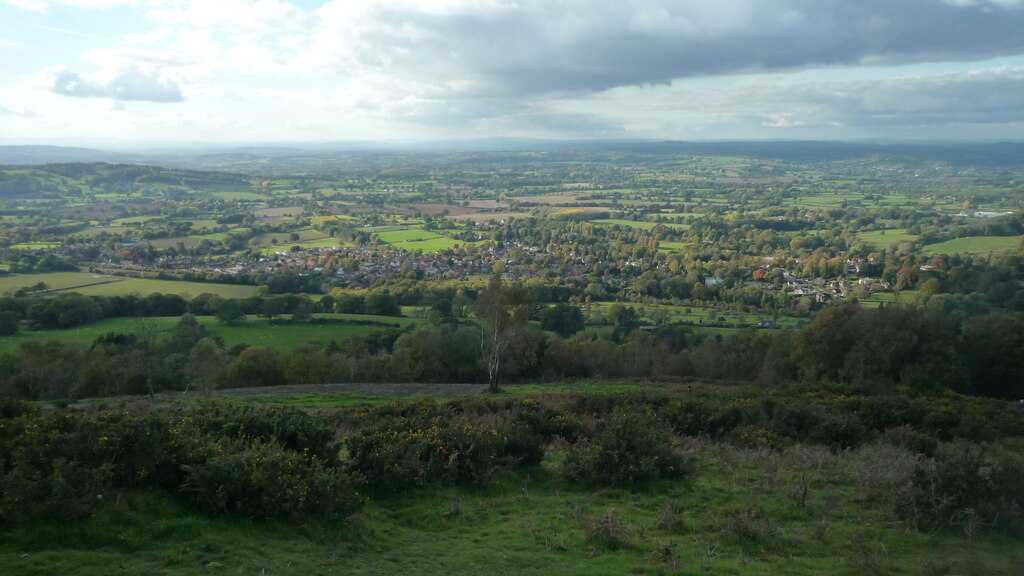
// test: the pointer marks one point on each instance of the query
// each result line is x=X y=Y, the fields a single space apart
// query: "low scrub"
x=259 y=463
x=629 y=449
x=395 y=458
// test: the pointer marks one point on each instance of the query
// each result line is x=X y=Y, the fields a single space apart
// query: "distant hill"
x=315 y=157
x=10 y=155
x=1002 y=154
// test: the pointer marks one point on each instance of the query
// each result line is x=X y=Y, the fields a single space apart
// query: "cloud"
x=537 y=47
x=33 y=5
x=897 y=105
x=130 y=83
x=5 y=111
x=42 y=5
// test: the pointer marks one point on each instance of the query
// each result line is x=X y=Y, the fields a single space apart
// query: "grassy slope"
x=743 y=513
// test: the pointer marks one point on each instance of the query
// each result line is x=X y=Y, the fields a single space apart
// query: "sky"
x=81 y=72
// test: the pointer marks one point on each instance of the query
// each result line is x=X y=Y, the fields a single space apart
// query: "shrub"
x=689 y=417
x=909 y=439
x=60 y=464
x=839 y=431
x=967 y=478
x=672 y=517
x=607 y=531
x=65 y=489
x=627 y=450
x=393 y=458
x=291 y=428
x=264 y=481
x=756 y=437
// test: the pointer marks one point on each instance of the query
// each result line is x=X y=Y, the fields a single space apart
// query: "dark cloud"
x=981 y=99
x=128 y=84
x=988 y=97
x=536 y=46
x=562 y=124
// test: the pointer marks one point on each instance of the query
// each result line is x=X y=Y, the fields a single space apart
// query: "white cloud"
x=125 y=84
x=33 y=5
x=96 y=3
x=523 y=66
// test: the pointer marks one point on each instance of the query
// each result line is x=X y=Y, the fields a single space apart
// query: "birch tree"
x=504 y=310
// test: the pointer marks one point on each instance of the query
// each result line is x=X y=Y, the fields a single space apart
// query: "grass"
x=977 y=245
x=308 y=238
x=884 y=239
x=253 y=331
x=642 y=225
x=671 y=246
x=34 y=245
x=241 y=196
x=742 y=512
x=414 y=239
x=696 y=314
x=53 y=280
x=122 y=286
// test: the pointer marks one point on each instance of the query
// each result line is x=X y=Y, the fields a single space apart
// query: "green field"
x=240 y=196
x=34 y=245
x=697 y=315
x=642 y=225
x=884 y=239
x=53 y=280
x=283 y=336
x=671 y=246
x=308 y=238
x=146 y=286
x=221 y=236
x=977 y=245
x=414 y=239
x=104 y=285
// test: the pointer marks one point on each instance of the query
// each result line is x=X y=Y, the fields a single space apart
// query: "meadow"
x=282 y=335
x=105 y=285
x=414 y=239
x=885 y=239
x=976 y=245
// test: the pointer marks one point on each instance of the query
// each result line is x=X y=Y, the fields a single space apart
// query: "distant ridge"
x=33 y=154
x=310 y=157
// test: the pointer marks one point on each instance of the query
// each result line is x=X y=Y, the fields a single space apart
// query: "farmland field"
x=104 y=285
x=976 y=245
x=413 y=239
x=53 y=280
x=884 y=239
x=283 y=336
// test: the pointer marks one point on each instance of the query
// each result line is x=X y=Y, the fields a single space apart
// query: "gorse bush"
x=267 y=481
x=969 y=479
x=394 y=458
x=628 y=449
x=261 y=463
x=291 y=428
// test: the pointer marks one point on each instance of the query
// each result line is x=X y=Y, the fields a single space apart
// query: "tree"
x=230 y=311
x=272 y=307
x=205 y=364
x=9 y=323
x=147 y=331
x=505 y=311
x=563 y=319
